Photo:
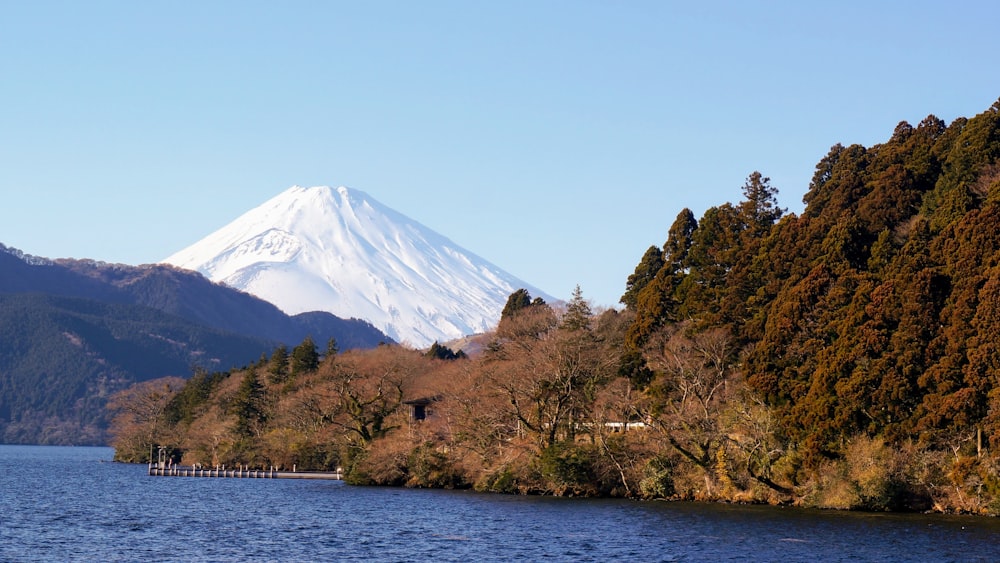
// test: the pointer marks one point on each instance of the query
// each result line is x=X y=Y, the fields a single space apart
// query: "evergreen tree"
x=656 y=303
x=517 y=301
x=331 y=348
x=633 y=367
x=277 y=367
x=678 y=245
x=716 y=245
x=248 y=406
x=644 y=273
x=759 y=208
x=523 y=313
x=305 y=358
x=440 y=352
x=578 y=313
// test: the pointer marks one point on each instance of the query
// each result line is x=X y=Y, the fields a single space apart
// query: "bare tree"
x=138 y=423
x=359 y=392
x=547 y=373
x=696 y=371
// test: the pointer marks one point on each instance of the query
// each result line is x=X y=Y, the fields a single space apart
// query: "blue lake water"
x=73 y=504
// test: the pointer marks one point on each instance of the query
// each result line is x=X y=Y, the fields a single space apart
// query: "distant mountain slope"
x=23 y=273
x=339 y=250
x=191 y=296
x=62 y=357
x=72 y=332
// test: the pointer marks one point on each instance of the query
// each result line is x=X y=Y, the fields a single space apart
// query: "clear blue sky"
x=557 y=139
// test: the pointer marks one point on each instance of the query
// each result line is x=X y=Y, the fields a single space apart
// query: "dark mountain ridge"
x=191 y=296
x=72 y=332
x=62 y=357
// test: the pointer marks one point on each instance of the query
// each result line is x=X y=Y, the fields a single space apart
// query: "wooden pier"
x=159 y=470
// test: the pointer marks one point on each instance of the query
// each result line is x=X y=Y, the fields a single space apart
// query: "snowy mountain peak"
x=339 y=250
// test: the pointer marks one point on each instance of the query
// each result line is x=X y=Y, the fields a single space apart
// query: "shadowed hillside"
x=76 y=331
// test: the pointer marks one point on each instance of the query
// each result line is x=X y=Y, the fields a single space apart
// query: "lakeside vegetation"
x=843 y=358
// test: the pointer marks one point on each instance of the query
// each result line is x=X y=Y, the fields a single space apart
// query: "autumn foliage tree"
x=843 y=357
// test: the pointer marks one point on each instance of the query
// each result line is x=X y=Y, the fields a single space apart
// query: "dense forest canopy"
x=845 y=357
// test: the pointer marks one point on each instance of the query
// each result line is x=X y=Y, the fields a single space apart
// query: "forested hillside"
x=191 y=296
x=873 y=314
x=843 y=358
x=62 y=357
x=73 y=332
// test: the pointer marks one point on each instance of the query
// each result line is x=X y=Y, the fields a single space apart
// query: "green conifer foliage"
x=305 y=357
x=578 y=313
x=715 y=248
x=655 y=301
x=852 y=348
x=759 y=208
x=440 y=352
x=516 y=301
x=645 y=271
x=248 y=406
x=277 y=367
x=678 y=245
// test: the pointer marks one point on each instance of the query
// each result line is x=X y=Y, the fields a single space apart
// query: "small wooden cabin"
x=420 y=408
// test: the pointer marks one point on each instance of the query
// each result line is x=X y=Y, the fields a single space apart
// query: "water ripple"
x=64 y=504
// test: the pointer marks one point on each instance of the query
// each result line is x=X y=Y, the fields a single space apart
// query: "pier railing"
x=240 y=472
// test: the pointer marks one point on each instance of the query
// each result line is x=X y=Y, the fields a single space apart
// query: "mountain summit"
x=339 y=250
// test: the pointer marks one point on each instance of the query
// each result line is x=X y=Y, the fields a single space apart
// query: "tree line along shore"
x=841 y=358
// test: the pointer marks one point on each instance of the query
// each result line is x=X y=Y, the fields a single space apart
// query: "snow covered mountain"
x=339 y=250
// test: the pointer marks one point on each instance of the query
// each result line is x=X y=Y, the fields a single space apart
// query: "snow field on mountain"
x=339 y=250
